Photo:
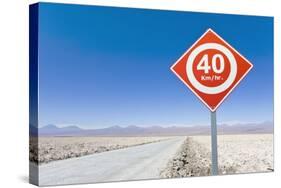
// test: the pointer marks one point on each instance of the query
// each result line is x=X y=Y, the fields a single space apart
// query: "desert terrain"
x=68 y=160
x=236 y=154
x=59 y=148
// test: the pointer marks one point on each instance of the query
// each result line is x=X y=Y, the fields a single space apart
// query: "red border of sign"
x=251 y=66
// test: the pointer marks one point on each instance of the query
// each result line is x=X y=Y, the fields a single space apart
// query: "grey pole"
x=214 y=143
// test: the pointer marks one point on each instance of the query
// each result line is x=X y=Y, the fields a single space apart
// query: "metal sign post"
x=214 y=143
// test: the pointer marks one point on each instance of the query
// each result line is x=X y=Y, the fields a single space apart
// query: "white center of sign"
x=217 y=89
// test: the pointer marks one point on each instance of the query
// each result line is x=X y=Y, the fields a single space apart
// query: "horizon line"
x=229 y=123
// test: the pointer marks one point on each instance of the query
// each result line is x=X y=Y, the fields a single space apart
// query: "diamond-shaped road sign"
x=211 y=69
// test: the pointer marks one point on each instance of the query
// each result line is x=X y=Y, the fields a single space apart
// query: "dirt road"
x=138 y=162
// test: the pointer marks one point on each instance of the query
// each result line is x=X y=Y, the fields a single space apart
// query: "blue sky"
x=102 y=66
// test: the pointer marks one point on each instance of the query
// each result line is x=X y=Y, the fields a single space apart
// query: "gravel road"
x=133 y=163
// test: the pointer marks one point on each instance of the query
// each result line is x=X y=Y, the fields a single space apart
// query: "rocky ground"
x=236 y=154
x=191 y=160
x=47 y=149
x=243 y=153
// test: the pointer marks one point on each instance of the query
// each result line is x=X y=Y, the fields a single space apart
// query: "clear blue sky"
x=102 y=66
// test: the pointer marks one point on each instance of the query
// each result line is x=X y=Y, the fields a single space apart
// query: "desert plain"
x=99 y=159
x=244 y=153
x=59 y=148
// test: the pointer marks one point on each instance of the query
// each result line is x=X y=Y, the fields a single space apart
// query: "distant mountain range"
x=250 y=128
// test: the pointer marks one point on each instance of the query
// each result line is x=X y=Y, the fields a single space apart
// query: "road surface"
x=138 y=162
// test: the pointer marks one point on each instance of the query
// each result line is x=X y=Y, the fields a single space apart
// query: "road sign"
x=211 y=69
